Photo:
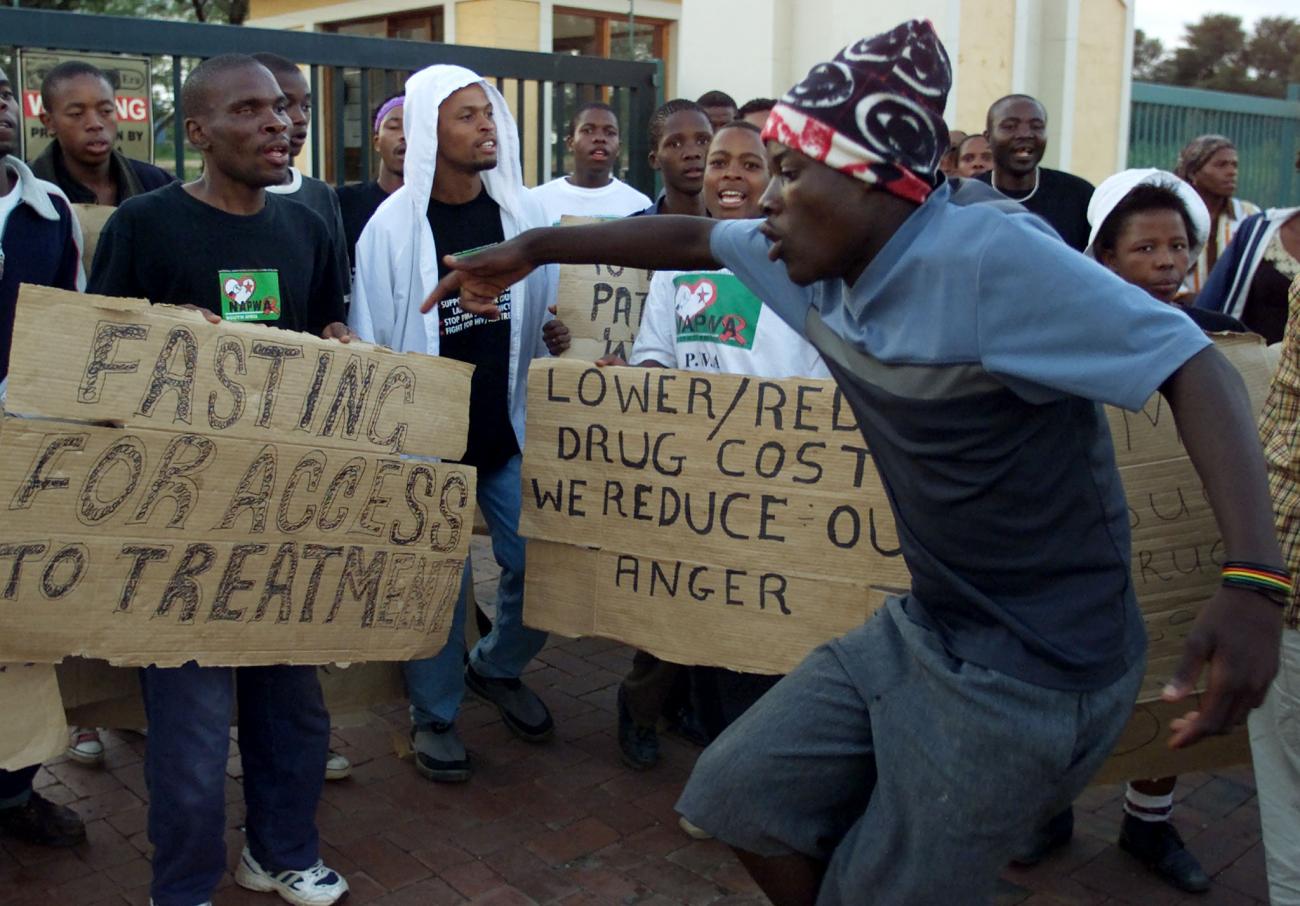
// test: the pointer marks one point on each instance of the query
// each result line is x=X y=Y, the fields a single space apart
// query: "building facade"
x=1072 y=55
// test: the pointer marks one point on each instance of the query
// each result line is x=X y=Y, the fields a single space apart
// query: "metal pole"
x=631 y=29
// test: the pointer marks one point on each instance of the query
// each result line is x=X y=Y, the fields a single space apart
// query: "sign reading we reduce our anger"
x=228 y=493
x=739 y=522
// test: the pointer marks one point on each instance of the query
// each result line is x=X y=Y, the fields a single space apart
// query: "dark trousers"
x=283 y=742
x=16 y=786
x=649 y=686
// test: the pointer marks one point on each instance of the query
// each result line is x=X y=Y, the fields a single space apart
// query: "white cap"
x=1114 y=189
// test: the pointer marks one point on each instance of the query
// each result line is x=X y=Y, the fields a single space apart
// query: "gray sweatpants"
x=911 y=773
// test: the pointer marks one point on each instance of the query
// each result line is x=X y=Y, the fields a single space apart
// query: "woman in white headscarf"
x=1148 y=226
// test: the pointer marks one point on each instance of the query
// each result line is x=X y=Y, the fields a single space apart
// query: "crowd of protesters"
x=973 y=305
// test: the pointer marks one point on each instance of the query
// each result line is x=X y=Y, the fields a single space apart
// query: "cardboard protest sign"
x=738 y=522
x=702 y=489
x=600 y=304
x=34 y=728
x=249 y=504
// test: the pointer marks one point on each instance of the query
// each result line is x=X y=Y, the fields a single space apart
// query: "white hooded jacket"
x=397 y=264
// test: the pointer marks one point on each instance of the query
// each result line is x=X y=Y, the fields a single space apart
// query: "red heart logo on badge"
x=239 y=291
x=693 y=298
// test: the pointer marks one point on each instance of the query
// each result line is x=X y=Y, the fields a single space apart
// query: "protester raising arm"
x=665 y=242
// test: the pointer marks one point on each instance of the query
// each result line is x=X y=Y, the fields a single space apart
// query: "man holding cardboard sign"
x=223 y=243
x=998 y=685
x=39 y=243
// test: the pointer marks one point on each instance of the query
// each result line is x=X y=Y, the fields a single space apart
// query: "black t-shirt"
x=1265 y=311
x=358 y=202
x=469 y=338
x=275 y=266
x=1061 y=199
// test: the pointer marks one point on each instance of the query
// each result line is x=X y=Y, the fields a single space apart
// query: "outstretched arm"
x=662 y=242
x=1238 y=631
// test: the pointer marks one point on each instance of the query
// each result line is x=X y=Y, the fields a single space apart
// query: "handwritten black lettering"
x=52 y=447
x=228 y=346
x=182 y=340
x=185 y=456
x=107 y=333
x=275 y=353
x=232 y=583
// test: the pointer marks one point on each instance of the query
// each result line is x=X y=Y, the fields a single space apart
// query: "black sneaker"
x=39 y=821
x=639 y=745
x=524 y=713
x=1047 y=839
x=439 y=754
x=1159 y=846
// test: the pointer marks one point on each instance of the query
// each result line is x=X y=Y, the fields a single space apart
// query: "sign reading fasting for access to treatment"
x=227 y=493
x=739 y=522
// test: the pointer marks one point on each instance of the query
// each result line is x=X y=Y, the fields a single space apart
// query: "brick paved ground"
x=565 y=822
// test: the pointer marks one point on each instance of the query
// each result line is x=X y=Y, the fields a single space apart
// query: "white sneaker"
x=85 y=746
x=694 y=831
x=314 y=886
x=337 y=766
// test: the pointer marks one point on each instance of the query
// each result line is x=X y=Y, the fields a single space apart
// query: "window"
x=598 y=34
x=595 y=34
x=422 y=25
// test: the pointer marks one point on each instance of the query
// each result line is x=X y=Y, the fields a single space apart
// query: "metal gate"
x=351 y=75
x=1266 y=132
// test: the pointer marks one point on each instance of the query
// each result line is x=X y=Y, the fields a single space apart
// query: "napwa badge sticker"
x=250 y=295
x=715 y=308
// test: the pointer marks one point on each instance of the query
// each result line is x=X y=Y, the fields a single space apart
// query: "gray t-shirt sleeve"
x=1050 y=320
x=738 y=246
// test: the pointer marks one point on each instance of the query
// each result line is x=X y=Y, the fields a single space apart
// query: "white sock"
x=1147 y=808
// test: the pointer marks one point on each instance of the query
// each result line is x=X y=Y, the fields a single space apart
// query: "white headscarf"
x=1114 y=189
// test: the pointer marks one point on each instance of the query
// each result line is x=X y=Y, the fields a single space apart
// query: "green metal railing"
x=1266 y=132
x=350 y=75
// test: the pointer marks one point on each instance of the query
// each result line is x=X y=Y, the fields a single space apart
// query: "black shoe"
x=1159 y=846
x=1047 y=839
x=439 y=754
x=639 y=745
x=41 y=822
x=689 y=727
x=524 y=713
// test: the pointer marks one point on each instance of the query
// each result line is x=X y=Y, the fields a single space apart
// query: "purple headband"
x=389 y=106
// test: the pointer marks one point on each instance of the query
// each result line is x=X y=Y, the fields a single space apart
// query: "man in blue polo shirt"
x=975 y=349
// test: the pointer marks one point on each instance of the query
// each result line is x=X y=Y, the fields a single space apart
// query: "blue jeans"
x=283 y=740
x=436 y=684
x=917 y=773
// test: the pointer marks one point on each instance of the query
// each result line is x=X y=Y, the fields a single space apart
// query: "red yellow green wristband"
x=1268 y=580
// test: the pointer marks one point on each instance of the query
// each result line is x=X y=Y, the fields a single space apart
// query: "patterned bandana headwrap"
x=875 y=112
x=1197 y=153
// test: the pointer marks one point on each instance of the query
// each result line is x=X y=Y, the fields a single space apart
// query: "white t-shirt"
x=559 y=197
x=709 y=321
x=10 y=201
